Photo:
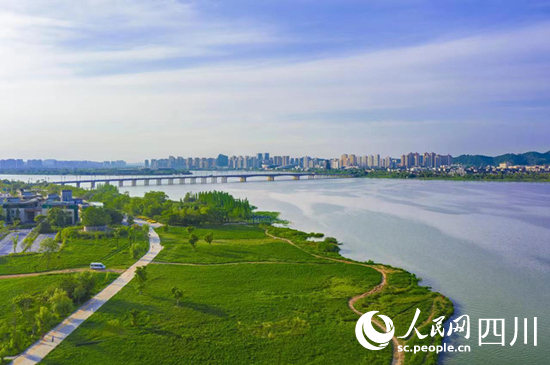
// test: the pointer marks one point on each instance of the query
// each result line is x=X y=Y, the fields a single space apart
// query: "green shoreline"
x=443 y=306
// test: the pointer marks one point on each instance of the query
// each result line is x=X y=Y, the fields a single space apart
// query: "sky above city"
x=135 y=79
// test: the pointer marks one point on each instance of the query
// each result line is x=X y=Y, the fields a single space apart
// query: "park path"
x=38 y=351
x=398 y=357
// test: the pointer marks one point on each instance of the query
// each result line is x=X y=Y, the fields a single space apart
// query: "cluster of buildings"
x=258 y=161
x=265 y=161
x=27 y=205
x=425 y=160
x=18 y=164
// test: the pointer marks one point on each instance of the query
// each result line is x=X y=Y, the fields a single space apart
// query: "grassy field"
x=75 y=253
x=290 y=307
x=233 y=243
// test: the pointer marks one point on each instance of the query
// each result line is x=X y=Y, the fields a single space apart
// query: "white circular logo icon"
x=364 y=328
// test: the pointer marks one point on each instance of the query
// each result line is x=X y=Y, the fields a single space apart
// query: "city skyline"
x=199 y=77
x=261 y=160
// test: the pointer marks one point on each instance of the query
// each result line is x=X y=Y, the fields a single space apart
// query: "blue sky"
x=140 y=79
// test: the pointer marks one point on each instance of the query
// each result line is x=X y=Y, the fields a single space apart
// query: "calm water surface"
x=485 y=245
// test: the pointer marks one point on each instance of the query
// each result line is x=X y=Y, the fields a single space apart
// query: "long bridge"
x=192 y=179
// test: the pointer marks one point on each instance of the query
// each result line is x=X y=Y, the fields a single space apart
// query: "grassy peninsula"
x=250 y=298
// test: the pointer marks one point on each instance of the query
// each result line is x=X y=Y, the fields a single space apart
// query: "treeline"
x=528 y=158
x=478 y=176
x=33 y=314
x=194 y=209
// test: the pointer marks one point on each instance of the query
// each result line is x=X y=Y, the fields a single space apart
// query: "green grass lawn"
x=295 y=311
x=76 y=253
x=231 y=244
x=261 y=314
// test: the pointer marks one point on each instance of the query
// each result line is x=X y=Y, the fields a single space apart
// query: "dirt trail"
x=66 y=271
x=236 y=263
x=398 y=357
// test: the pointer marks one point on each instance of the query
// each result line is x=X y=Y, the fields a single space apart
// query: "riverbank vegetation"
x=518 y=176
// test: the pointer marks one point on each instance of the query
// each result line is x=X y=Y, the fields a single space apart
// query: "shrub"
x=328 y=247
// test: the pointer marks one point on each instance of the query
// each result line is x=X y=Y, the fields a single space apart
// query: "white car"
x=97 y=266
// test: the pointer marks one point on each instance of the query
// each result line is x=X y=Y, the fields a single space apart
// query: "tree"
x=178 y=294
x=57 y=217
x=134 y=317
x=14 y=240
x=209 y=237
x=48 y=246
x=131 y=234
x=44 y=320
x=193 y=239
x=16 y=224
x=116 y=215
x=130 y=219
x=134 y=251
x=141 y=277
x=40 y=218
x=190 y=229
x=94 y=217
x=117 y=235
x=60 y=302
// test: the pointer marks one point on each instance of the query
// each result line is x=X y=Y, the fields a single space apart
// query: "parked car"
x=97 y=266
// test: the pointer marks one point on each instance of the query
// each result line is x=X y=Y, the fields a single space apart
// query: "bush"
x=116 y=216
x=44 y=227
x=328 y=247
x=332 y=240
x=94 y=216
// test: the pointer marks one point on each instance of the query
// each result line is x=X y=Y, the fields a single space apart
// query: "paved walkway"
x=40 y=349
x=6 y=244
x=36 y=244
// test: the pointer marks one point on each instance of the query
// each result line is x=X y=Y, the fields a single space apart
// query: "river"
x=486 y=245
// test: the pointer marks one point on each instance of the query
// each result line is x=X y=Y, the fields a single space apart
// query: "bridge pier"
x=107 y=182
x=146 y=182
x=134 y=182
x=92 y=185
x=159 y=181
x=213 y=180
x=296 y=177
x=271 y=178
x=242 y=179
x=182 y=181
x=170 y=181
x=193 y=180
x=78 y=184
x=203 y=180
x=120 y=183
x=224 y=179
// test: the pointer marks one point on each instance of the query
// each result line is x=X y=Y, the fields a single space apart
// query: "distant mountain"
x=527 y=158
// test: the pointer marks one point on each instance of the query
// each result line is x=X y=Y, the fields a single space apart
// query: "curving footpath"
x=398 y=357
x=38 y=351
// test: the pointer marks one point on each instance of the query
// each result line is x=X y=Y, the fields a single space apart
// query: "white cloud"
x=237 y=106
